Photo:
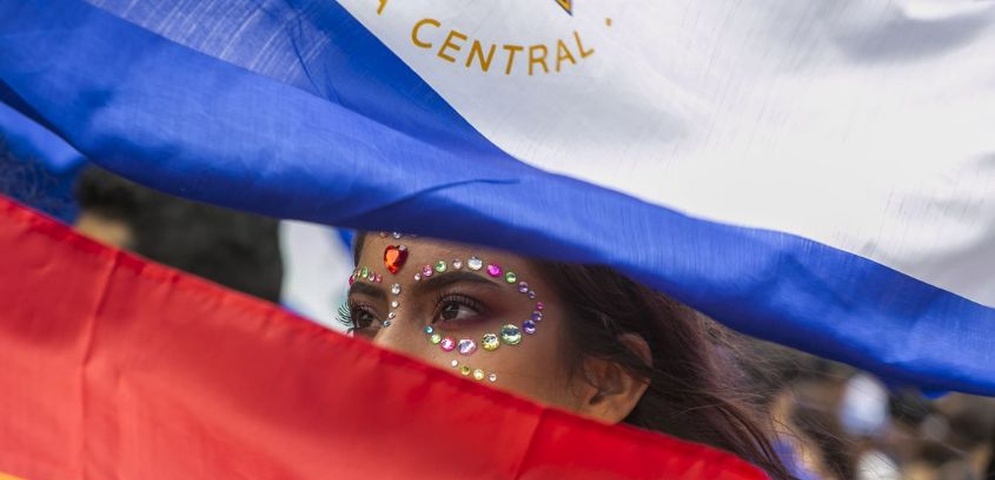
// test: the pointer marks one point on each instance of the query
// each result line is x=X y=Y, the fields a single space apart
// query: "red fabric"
x=112 y=367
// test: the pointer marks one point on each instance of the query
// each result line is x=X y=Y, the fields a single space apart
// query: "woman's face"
x=482 y=314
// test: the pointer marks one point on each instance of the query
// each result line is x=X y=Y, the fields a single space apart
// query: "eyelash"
x=454 y=298
x=349 y=310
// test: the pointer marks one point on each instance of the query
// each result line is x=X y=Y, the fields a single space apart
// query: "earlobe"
x=614 y=391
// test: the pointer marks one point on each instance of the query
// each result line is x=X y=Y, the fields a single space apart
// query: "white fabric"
x=316 y=266
x=866 y=125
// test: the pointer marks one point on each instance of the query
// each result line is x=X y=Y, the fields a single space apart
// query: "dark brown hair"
x=686 y=396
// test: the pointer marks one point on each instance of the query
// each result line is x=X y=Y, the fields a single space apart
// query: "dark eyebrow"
x=446 y=279
x=367 y=289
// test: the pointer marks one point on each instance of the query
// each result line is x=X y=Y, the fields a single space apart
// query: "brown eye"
x=451 y=311
x=457 y=308
x=362 y=318
x=358 y=318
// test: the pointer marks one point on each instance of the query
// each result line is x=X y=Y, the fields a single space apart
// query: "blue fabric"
x=322 y=123
x=27 y=139
x=39 y=168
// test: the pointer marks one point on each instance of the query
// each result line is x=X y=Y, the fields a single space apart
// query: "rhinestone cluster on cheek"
x=478 y=374
x=509 y=334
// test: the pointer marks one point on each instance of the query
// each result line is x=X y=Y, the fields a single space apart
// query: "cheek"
x=533 y=369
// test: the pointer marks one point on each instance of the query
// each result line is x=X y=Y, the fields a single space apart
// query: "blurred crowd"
x=837 y=422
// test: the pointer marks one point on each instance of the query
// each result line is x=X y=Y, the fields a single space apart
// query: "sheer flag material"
x=118 y=368
x=816 y=174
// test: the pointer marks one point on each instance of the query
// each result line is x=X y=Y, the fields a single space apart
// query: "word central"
x=454 y=46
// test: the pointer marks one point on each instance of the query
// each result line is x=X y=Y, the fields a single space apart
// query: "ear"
x=614 y=393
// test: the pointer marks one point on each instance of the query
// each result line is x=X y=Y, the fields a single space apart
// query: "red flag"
x=114 y=367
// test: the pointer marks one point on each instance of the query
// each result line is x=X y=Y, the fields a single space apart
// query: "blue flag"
x=817 y=175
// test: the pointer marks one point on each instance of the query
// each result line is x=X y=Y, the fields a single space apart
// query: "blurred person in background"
x=235 y=249
x=951 y=440
x=775 y=373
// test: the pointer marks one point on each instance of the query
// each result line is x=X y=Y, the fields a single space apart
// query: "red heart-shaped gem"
x=394 y=257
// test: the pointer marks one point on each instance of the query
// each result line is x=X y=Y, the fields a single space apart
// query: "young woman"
x=583 y=338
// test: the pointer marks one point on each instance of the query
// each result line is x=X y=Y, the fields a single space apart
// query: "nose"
x=401 y=336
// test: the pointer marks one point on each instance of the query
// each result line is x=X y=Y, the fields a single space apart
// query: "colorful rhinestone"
x=466 y=346
x=529 y=327
x=494 y=270
x=511 y=334
x=490 y=342
x=474 y=263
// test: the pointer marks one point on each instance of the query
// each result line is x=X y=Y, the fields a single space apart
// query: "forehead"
x=423 y=257
x=425 y=251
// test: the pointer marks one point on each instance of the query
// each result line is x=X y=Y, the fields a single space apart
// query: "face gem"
x=536 y=316
x=529 y=327
x=417 y=277
x=523 y=287
x=511 y=334
x=532 y=295
x=387 y=323
x=392 y=315
x=397 y=234
x=394 y=257
x=447 y=344
x=454 y=363
x=395 y=289
x=457 y=264
x=378 y=279
x=475 y=263
x=466 y=346
x=383 y=234
x=510 y=277
x=429 y=330
x=490 y=342
x=372 y=276
x=540 y=306
x=494 y=270
x=435 y=339
x=352 y=280
x=427 y=271
x=364 y=272
x=478 y=374
x=394 y=304
x=465 y=370
x=492 y=377
x=440 y=266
